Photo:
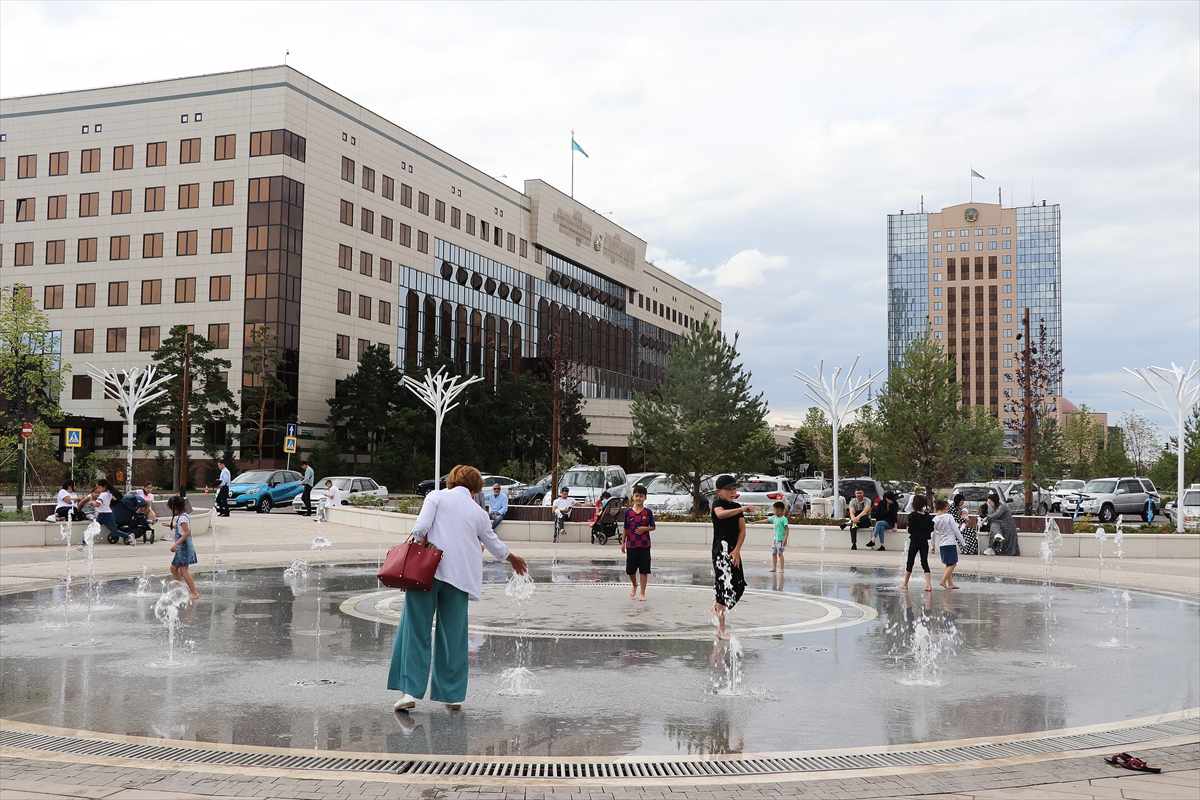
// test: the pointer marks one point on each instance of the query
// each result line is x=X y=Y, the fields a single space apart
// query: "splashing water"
x=925 y=647
x=728 y=682
x=1051 y=543
x=821 y=547
x=143 y=583
x=297 y=572
x=214 y=525
x=89 y=541
x=1101 y=538
x=519 y=588
x=519 y=682
x=166 y=611
x=320 y=542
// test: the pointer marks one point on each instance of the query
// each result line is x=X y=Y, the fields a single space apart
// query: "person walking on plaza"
x=639 y=522
x=497 y=505
x=562 y=511
x=183 y=548
x=948 y=532
x=451 y=521
x=729 y=533
x=1002 y=528
x=885 y=519
x=920 y=529
x=860 y=516
x=970 y=535
x=223 y=491
x=309 y=480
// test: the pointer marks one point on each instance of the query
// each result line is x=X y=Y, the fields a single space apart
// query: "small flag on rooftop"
x=575 y=146
x=974 y=174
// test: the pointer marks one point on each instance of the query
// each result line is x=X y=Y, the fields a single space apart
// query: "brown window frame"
x=342 y=347
x=122 y=157
x=122 y=201
x=89 y=160
x=345 y=301
x=23 y=256
x=368 y=178
x=81 y=386
x=406 y=195
x=385 y=270
x=189 y=195
x=388 y=189
x=345 y=256
x=366 y=263
x=26 y=209
x=85 y=295
x=118 y=293
x=219 y=288
x=118 y=248
x=85 y=251
x=185 y=290
x=56 y=251
x=347 y=213
x=152 y=245
x=385 y=312
x=386 y=230
x=455 y=217
x=422 y=203
x=221 y=241
x=59 y=163
x=218 y=334
x=27 y=166
x=365 y=304
x=115 y=340
x=89 y=204
x=149 y=338
x=186 y=243
x=404 y=235
x=348 y=169
x=85 y=340
x=152 y=292
x=367 y=217
x=439 y=210
x=225 y=147
x=56 y=207
x=155 y=199
x=52 y=297
x=222 y=193
x=156 y=154
x=189 y=151
x=422 y=242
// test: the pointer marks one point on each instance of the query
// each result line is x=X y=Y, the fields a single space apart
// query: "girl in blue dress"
x=183 y=548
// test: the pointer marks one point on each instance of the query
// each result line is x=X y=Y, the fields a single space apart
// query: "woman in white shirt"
x=452 y=521
x=64 y=504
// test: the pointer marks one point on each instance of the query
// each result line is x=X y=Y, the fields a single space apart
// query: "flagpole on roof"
x=572 y=163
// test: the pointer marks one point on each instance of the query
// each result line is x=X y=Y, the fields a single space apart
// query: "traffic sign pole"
x=26 y=432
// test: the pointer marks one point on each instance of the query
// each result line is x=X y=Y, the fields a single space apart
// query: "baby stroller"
x=130 y=518
x=606 y=522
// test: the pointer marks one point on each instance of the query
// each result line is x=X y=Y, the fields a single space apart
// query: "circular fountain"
x=568 y=665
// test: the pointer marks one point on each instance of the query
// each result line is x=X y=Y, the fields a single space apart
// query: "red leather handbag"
x=410 y=566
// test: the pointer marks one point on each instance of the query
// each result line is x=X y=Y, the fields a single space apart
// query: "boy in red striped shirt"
x=639 y=521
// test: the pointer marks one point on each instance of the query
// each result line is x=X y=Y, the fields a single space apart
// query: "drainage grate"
x=600 y=769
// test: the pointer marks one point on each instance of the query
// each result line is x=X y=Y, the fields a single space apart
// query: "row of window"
x=950 y=246
x=122 y=201
x=262 y=143
x=186 y=244
x=937 y=262
x=389 y=230
x=342 y=348
x=148 y=339
x=366 y=263
x=365 y=304
x=118 y=292
x=965 y=232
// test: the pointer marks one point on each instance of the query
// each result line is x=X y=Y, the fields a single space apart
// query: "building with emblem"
x=965 y=275
x=261 y=197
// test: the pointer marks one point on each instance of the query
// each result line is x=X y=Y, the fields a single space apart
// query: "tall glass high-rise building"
x=965 y=274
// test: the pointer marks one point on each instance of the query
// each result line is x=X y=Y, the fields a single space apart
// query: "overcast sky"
x=759 y=148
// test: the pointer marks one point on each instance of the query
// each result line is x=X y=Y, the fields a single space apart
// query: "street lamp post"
x=838 y=400
x=133 y=389
x=1181 y=396
x=438 y=391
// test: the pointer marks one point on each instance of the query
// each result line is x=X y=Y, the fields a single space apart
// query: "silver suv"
x=1108 y=497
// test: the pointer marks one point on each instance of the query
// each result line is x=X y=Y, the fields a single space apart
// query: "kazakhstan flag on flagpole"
x=974 y=174
x=575 y=146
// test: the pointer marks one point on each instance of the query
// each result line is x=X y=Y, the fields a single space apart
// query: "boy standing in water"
x=639 y=521
x=729 y=533
x=780 y=521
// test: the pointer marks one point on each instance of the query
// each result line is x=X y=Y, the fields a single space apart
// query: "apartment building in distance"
x=965 y=275
x=261 y=197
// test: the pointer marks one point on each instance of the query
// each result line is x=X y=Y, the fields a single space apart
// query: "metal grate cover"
x=600 y=769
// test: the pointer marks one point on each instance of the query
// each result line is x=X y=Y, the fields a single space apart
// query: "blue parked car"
x=263 y=489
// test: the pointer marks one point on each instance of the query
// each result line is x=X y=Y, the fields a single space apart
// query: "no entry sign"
x=26 y=430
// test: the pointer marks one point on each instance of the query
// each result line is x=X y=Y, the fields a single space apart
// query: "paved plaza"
x=249 y=541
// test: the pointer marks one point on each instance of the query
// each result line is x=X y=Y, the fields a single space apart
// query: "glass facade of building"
x=1039 y=272
x=908 y=282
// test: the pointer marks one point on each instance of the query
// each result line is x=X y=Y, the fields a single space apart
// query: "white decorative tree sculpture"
x=838 y=400
x=1181 y=396
x=438 y=391
x=133 y=388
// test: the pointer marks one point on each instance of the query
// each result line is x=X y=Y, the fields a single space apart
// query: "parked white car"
x=1189 y=507
x=664 y=496
x=763 y=491
x=586 y=484
x=1064 y=489
x=354 y=485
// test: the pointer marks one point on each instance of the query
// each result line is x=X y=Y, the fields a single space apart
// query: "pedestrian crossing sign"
x=74 y=437
x=289 y=444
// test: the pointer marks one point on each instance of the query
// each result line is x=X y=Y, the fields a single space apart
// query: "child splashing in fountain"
x=639 y=522
x=920 y=528
x=729 y=532
x=183 y=548
x=779 y=520
x=948 y=532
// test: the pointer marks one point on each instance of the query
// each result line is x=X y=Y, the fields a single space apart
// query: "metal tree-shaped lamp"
x=1181 y=396
x=133 y=389
x=438 y=391
x=838 y=400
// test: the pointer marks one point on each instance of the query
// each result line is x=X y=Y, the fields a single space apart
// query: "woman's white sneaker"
x=454 y=706
x=405 y=702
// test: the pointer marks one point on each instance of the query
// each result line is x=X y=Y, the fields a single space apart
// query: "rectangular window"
x=185 y=243
x=278 y=142
x=1008 y=231
x=256 y=238
x=937 y=306
x=470 y=224
x=347 y=214
x=118 y=293
x=388 y=190
x=455 y=217
x=422 y=203
x=226 y=147
x=218 y=287
x=185 y=290
x=937 y=262
x=1008 y=333
x=26 y=166
x=347 y=170
x=148 y=338
x=345 y=256
x=385 y=228
x=979 y=245
x=422 y=242
x=86 y=252
x=155 y=198
x=53 y=297
x=937 y=320
x=1007 y=273
x=343 y=306
x=937 y=291
x=439 y=210
x=222 y=240
x=156 y=154
x=56 y=251
x=1007 y=244
x=363 y=344
x=26 y=209
x=1008 y=288
x=123 y=157
x=937 y=276
x=85 y=340
x=366 y=264
x=58 y=164
x=189 y=151
x=991 y=245
x=949 y=234
x=368 y=178
x=367 y=221
x=222 y=193
x=152 y=245
x=385 y=312
x=1008 y=362
x=937 y=248
x=189 y=195
x=89 y=204
x=118 y=248
x=385 y=270
x=937 y=234
x=151 y=292
x=511 y=243
x=24 y=254
x=218 y=334
x=57 y=208
x=364 y=307
x=343 y=346
x=937 y=334
x=525 y=249
x=484 y=231
x=405 y=235
x=498 y=237
x=122 y=201
x=1008 y=348
x=89 y=160
x=1008 y=259
x=3 y=168
x=116 y=340
x=949 y=247
x=81 y=386
x=1008 y=303
x=85 y=295
x=1008 y=317
x=406 y=195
